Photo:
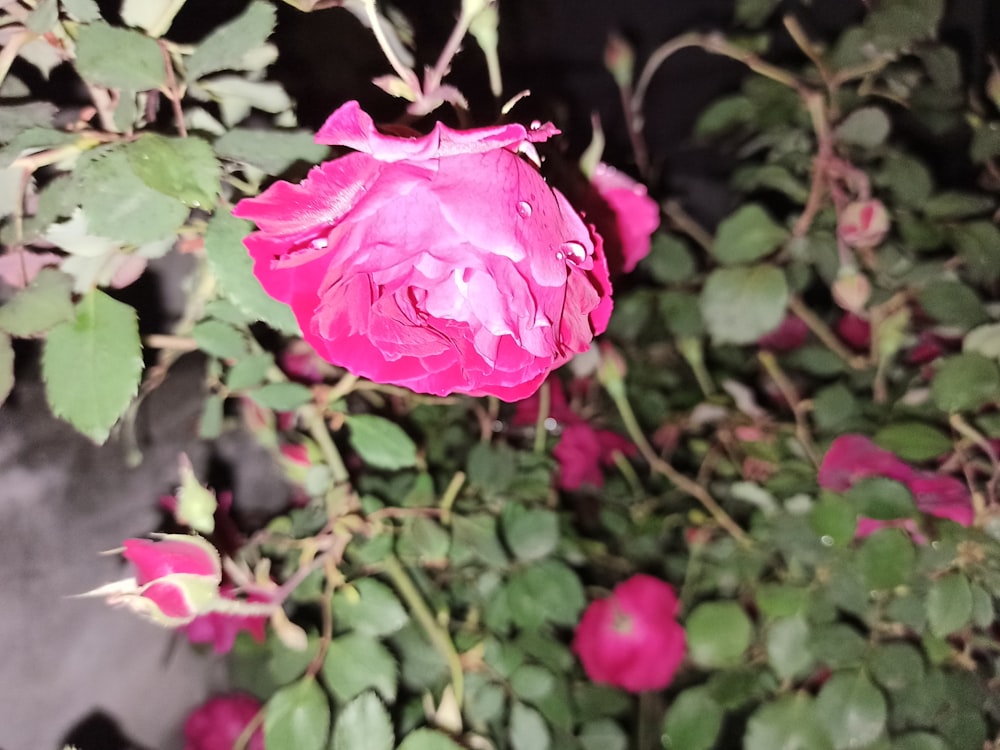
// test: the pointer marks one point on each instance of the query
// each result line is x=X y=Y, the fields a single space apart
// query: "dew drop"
x=827 y=540
x=574 y=251
x=550 y=424
x=524 y=209
x=320 y=243
x=560 y=256
x=535 y=124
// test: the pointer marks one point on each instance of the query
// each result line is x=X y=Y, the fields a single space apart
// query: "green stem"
x=683 y=483
x=450 y=495
x=318 y=430
x=438 y=636
x=544 y=406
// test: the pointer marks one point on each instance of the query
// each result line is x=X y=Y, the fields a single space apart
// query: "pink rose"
x=633 y=216
x=443 y=263
x=863 y=223
x=787 y=337
x=218 y=723
x=855 y=457
x=177 y=577
x=632 y=639
x=855 y=331
x=582 y=449
x=221 y=628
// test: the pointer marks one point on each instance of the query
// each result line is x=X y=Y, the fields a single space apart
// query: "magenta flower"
x=582 y=449
x=221 y=628
x=627 y=218
x=218 y=723
x=443 y=263
x=855 y=457
x=631 y=639
x=787 y=337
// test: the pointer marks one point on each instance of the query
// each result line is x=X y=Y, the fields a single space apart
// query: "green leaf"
x=531 y=683
x=950 y=205
x=16 y=118
x=44 y=17
x=380 y=443
x=852 y=709
x=748 y=234
x=781 y=600
x=740 y=305
x=920 y=741
x=907 y=178
x=183 y=168
x=119 y=58
x=357 y=662
x=603 y=734
x=423 y=540
x=881 y=499
x=787 y=646
x=83 y=11
x=952 y=303
x=965 y=382
x=531 y=534
x=427 y=739
x=724 y=114
x=886 y=559
x=249 y=372
x=363 y=723
x=984 y=340
x=949 y=604
x=834 y=520
x=233 y=269
x=837 y=645
x=547 y=591
x=978 y=244
x=120 y=206
x=273 y=151
x=212 y=417
x=680 y=314
x=913 y=441
x=92 y=365
x=368 y=606
x=226 y=46
x=6 y=367
x=297 y=717
x=528 y=730
x=693 y=721
x=718 y=633
x=770 y=177
x=790 y=723
x=867 y=127
x=669 y=260
x=220 y=339
x=896 y=665
x=281 y=396
x=753 y=13
x=35 y=309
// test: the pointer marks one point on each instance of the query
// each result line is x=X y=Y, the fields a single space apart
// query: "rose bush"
x=631 y=639
x=443 y=263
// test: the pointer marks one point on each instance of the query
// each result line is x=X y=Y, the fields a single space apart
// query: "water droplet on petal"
x=524 y=209
x=575 y=251
x=320 y=243
x=535 y=124
x=559 y=256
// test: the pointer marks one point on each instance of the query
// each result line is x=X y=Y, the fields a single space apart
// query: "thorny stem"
x=433 y=78
x=689 y=487
x=438 y=636
x=544 y=407
x=171 y=90
x=825 y=335
x=397 y=65
x=798 y=406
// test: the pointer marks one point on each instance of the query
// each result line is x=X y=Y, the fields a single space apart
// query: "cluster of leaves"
x=439 y=572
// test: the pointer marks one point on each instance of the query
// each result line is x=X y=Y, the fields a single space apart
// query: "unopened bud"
x=611 y=371
x=619 y=59
x=196 y=505
x=851 y=290
x=863 y=223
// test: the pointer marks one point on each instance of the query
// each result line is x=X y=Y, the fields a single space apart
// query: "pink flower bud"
x=619 y=59
x=851 y=290
x=787 y=337
x=632 y=639
x=611 y=372
x=177 y=578
x=863 y=223
x=218 y=723
x=855 y=331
